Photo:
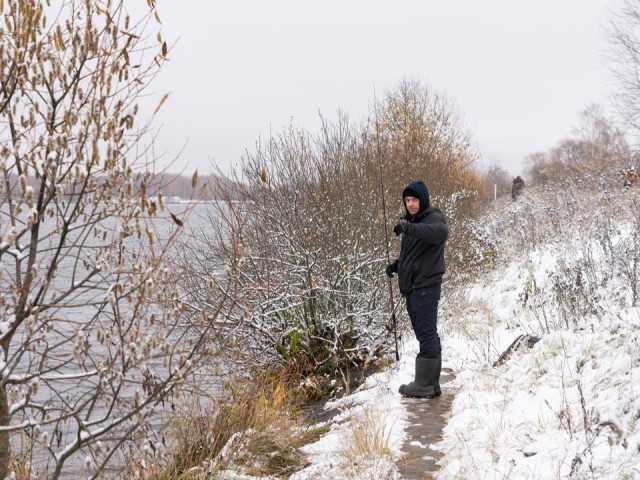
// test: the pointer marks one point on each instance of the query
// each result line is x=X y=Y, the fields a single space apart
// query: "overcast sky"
x=519 y=71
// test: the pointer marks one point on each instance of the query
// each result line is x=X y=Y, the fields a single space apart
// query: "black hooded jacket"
x=421 y=260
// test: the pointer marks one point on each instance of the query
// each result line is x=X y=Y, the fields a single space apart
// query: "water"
x=82 y=367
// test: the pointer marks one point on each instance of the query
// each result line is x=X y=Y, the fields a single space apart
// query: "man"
x=517 y=187
x=420 y=267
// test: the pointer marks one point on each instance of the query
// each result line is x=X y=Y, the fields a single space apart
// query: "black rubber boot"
x=422 y=386
x=436 y=380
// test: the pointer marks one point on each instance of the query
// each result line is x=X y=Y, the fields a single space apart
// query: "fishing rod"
x=394 y=322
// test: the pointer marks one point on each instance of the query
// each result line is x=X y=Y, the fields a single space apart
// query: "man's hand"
x=391 y=269
x=402 y=227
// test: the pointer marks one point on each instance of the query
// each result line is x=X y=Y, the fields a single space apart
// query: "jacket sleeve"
x=433 y=229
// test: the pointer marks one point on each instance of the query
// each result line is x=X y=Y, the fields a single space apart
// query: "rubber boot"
x=422 y=386
x=436 y=380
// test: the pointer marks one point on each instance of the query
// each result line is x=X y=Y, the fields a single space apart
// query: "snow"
x=18 y=254
x=5 y=327
x=3 y=359
x=566 y=407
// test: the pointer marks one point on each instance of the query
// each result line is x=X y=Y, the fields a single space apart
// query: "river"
x=61 y=359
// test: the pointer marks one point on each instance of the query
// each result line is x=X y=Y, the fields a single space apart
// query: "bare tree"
x=625 y=45
x=594 y=153
x=495 y=176
x=424 y=137
x=91 y=324
x=536 y=165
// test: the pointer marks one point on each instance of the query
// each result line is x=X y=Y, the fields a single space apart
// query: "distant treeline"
x=195 y=187
x=205 y=187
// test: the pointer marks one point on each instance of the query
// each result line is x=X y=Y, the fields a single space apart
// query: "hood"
x=420 y=191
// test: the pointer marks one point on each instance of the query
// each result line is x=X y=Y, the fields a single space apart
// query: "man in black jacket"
x=420 y=267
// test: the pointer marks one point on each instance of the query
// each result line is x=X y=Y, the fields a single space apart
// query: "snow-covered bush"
x=307 y=243
x=306 y=249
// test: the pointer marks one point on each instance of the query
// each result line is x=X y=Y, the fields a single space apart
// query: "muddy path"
x=427 y=418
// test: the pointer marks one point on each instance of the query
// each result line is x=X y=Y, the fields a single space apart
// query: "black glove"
x=402 y=227
x=391 y=269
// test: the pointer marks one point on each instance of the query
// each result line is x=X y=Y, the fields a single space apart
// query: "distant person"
x=629 y=177
x=420 y=267
x=517 y=187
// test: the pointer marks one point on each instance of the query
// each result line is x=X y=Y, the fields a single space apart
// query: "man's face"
x=412 y=204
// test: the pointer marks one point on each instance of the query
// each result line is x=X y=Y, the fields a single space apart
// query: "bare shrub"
x=302 y=247
x=307 y=242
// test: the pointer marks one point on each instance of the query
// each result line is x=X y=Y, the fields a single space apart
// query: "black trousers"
x=422 y=305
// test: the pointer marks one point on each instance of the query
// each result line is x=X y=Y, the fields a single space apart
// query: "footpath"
x=428 y=418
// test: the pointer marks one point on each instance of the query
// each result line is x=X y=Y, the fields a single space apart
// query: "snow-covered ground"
x=568 y=407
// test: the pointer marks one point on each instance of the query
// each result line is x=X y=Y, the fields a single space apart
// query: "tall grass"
x=258 y=430
x=365 y=449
